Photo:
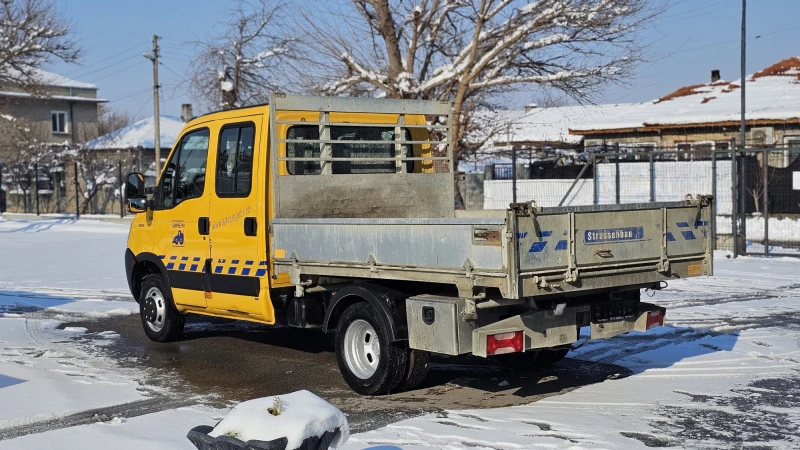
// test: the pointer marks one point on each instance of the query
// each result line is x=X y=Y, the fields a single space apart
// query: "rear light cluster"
x=498 y=344
x=656 y=318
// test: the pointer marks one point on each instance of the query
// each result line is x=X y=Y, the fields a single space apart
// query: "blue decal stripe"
x=184 y=258
x=701 y=223
x=547 y=233
x=173 y=257
x=196 y=259
x=193 y=268
x=522 y=235
x=170 y=266
x=232 y=270
x=261 y=272
x=218 y=269
x=235 y=261
x=182 y=266
x=262 y=263
x=246 y=271
x=562 y=245
x=162 y=256
x=248 y=263
x=683 y=224
x=537 y=247
x=688 y=235
x=670 y=236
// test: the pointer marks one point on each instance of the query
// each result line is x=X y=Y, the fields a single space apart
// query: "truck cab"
x=337 y=214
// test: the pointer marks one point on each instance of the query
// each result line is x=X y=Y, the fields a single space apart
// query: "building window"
x=59 y=119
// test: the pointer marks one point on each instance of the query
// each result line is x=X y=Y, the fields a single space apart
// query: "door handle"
x=203 y=226
x=250 y=226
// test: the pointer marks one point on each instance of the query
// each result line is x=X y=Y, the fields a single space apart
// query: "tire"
x=418 y=362
x=161 y=321
x=368 y=366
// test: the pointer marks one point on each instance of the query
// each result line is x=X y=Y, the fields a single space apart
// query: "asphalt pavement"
x=226 y=362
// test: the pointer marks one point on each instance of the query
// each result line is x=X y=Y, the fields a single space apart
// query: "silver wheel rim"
x=155 y=295
x=362 y=349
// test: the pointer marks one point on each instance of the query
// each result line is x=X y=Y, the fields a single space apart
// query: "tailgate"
x=593 y=247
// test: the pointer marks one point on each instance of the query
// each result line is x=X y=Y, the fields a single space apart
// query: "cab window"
x=235 y=161
x=185 y=174
x=367 y=151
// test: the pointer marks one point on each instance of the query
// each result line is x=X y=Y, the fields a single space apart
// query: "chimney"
x=186 y=112
x=530 y=107
x=715 y=75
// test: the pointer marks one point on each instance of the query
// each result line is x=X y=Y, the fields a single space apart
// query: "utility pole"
x=156 y=115
x=744 y=73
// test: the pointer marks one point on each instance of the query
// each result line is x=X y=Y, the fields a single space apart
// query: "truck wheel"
x=161 y=321
x=369 y=362
x=418 y=362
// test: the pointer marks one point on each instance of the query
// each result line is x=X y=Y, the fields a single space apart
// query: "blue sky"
x=687 y=41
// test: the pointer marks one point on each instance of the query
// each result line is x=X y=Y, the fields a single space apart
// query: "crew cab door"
x=237 y=234
x=180 y=217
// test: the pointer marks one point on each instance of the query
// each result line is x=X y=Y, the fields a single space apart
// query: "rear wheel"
x=418 y=362
x=369 y=362
x=161 y=321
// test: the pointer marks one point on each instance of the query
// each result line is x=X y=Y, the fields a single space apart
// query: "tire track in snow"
x=126 y=410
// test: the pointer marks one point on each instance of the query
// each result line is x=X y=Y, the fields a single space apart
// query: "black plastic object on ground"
x=200 y=438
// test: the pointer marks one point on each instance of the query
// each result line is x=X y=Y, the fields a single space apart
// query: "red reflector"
x=497 y=344
x=656 y=318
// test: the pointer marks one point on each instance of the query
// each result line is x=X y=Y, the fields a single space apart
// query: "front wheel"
x=161 y=321
x=369 y=362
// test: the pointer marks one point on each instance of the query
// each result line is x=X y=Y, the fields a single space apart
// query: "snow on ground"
x=717 y=375
x=724 y=373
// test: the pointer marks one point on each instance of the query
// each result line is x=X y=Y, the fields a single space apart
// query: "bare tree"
x=34 y=32
x=469 y=52
x=238 y=67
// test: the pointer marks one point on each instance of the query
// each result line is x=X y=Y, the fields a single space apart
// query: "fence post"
x=514 y=174
x=594 y=180
x=36 y=185
x=714 y=194
x=616 y=173
x=77 y=193
x=121 y=200
x=765 y=163
x=734 y=199
x=743 y=201
x=2 y=199
x=652 y=179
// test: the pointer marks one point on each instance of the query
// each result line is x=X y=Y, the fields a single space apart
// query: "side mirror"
x=135 y=196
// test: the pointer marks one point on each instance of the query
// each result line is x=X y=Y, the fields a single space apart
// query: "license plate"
x=613 y=311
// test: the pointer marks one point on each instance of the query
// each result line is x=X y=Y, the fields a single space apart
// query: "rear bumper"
x=446 y=329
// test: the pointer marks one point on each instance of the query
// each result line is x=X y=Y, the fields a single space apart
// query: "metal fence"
x=756 y=190
x=63 y=188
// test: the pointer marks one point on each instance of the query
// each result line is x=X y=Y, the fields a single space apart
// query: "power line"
x=119 y=71
x=132 y=94
x=107 y=58
x=106 y=67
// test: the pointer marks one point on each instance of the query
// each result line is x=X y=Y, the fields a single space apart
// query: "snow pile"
x=140 y=134
x=303 y=415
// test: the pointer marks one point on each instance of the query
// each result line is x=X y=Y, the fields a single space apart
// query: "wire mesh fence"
x=756 y=190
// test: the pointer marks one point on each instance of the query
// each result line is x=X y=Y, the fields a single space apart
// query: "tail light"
x=656 y=318
x=497 y=344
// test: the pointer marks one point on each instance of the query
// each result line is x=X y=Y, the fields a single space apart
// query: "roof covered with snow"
x=140 y=134
x=773 y=95
x=46 y=78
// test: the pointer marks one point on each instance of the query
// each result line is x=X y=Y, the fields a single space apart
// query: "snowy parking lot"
x=723 y=373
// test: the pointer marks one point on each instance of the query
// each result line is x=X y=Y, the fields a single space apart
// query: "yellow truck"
x=337 y=214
